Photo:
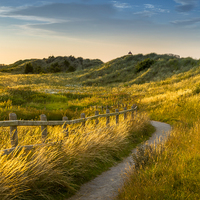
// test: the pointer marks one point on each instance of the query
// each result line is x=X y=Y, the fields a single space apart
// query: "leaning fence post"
x=135 y=111
x=125 y=113
x=65 y=129
x=117 y=116
x=107 y=118
x=83 y=117
x=43 y=117
x=13 y=131
x=132 y=112
x=97 y=113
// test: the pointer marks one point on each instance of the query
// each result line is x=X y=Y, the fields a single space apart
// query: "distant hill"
x=130 y=69
x=50 y=65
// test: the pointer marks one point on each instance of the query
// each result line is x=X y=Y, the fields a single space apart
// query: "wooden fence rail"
x=13 y=123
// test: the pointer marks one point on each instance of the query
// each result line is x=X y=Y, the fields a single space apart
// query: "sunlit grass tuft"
x=51 y=172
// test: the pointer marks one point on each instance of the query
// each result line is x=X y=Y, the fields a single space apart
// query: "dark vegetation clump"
x=54 y=68
x=71 y=69
x=38 y=70
x=66 y=63
x=189 y=61
x=72 y=58
x=80 y=59
x=28 y=68
x=145 y=64
x=50 y=59
x=196 y=90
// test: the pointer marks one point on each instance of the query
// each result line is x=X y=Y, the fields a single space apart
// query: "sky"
x=103 y=29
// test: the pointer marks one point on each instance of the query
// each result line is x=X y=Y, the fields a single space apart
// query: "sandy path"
x=106 y=185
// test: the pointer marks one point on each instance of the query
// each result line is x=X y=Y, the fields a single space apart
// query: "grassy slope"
x=63 y=94
x=123 y=70
x=168 y=90
x=45 y=65
x=173 y=173
x=47 y=169
x=30 y=95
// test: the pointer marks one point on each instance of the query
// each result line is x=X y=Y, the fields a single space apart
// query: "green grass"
x=168 y=90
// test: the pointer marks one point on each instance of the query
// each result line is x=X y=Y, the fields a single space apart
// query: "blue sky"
x=98 y=28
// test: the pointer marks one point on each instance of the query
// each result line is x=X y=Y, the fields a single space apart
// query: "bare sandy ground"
x=105 y=186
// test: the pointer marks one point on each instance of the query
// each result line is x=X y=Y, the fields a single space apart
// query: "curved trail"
x=106 y=185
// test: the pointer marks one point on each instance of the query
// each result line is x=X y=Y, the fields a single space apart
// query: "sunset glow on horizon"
x=97 y=29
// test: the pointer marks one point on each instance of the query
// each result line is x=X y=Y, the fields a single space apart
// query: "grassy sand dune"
x=167 y=89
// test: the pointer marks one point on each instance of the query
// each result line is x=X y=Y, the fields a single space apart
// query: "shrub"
x=71 y=69
x=38 y=70
x=28 y=68
x=50 y=59
x=174 y=64
x=66 y=63
x=80 y=59
x=55 y=68
x=145 y=64
x=189 y=61
x=72 y=58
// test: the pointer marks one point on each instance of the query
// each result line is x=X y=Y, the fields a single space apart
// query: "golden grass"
x=174 y=100
x=47 y=171
x=172 y=174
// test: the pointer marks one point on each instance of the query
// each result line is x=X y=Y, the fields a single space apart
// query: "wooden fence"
x=13 y=123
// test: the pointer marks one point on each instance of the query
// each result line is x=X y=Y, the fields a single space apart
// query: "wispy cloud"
x=121 y=5
x=187 y=22
x=7 y=12
x=68 y=19
x=149 y=6
x=31 y=30
x=68 y=11
x=149 y=10
x=186 y=5
x=9 y=9
x=57 y=13
x=34 y=18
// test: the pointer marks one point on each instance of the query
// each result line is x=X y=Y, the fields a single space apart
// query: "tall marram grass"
x=52 y=172
x=173 y=173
